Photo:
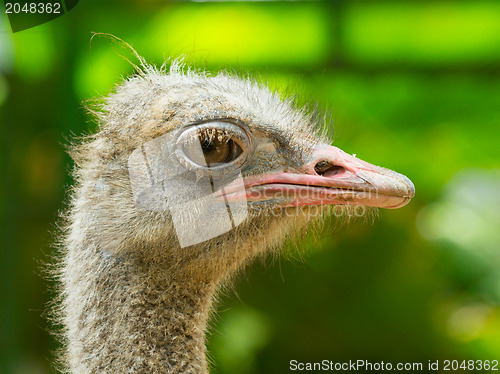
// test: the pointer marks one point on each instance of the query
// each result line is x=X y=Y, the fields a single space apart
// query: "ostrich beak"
x=330 y=177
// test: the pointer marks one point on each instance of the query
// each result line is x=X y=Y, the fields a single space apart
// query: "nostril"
x=327 y=169
x=322 y=166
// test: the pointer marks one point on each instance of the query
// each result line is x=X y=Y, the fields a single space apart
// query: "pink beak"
x=331 y=177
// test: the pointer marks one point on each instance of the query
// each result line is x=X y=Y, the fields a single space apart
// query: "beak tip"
x=403 y=202
x=408 y=194
x=410 y=186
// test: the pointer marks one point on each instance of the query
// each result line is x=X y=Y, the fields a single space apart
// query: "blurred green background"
x=413 y=86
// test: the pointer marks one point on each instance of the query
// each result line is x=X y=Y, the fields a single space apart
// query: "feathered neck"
x=123 y=317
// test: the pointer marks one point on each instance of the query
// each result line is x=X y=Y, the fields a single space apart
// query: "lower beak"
x=331 y=177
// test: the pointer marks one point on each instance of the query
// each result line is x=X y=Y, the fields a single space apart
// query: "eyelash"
x=216 y=133
x=212 y=134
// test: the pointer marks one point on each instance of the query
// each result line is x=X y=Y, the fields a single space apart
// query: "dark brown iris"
x=214 y=150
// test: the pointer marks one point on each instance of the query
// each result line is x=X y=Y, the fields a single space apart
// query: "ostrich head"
x=189 y=177
x=216 y=169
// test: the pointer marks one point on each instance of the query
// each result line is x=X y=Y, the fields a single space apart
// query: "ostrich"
x=189 y=178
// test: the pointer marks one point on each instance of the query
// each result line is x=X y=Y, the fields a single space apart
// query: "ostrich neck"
x=122 y=316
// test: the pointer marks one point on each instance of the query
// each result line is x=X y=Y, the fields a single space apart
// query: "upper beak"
x=330 y=177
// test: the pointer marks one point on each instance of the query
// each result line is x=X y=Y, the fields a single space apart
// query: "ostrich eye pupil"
x=207 y=146
x=215 y=150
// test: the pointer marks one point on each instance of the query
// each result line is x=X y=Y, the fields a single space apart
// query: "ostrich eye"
x=213 y=144
x=214 y=152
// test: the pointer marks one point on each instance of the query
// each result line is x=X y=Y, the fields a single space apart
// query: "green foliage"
x=427 y=33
